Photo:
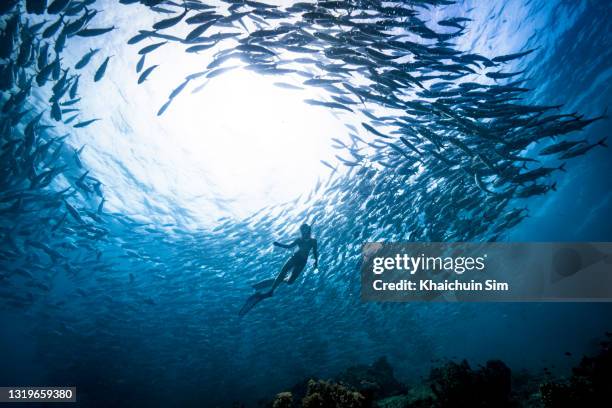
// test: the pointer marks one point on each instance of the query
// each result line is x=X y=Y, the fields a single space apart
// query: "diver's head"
x=305 y=230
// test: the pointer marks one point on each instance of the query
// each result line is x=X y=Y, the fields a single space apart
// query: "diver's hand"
x=276 y=244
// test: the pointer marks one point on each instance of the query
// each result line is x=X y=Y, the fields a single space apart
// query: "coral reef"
x=359 y=386
x=589 y=386
x=457 y=385
x=323 y=394
x=399 y=401
x=283 y=400
x=373 y=382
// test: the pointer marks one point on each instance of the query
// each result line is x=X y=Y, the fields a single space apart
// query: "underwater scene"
x=186 y=187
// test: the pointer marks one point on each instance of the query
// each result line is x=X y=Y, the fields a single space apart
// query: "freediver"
x=295 y=265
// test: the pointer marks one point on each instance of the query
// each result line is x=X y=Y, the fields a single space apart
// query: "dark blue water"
x=142 y=308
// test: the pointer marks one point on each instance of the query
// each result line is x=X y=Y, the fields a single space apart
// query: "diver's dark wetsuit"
x=295 y=265
x=298 y=260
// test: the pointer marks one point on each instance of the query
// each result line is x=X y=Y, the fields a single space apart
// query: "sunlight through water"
x=270 y=153
x=228 y=146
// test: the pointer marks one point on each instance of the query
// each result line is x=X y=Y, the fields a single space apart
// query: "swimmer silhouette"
x=295 y=265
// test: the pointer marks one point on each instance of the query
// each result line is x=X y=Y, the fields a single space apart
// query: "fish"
x=145 y=74
x=332 y=105
x=285 y=85
x=101 y=70
x=164 y=107
x=535 y=190
x=253 y=48
x=203 y=17
x=45 y=73
x=140 y=63
x=200 y=47
x=60 y=42
x=139 y=37
x=503 y=75
x=43 y=55
x=78 y=24
x=179 y=89
x=560 y=147
x=100 y=208
x=535 y=174
x=56 y=112
x=82 y=63
x=71 y=119
x=57 y=6
x=94 y=32
x=73 y=89
x=169 y=22
x=199 y=87
x=36 y=6
x=369 y=128
x=85 y=123
x=151 y=47
x=581 y=149
x=73 y=212
x=328 y=165
x=454 y=22
x=51 y=30
x=411 y=146
x=199 y=30
x=219 y=71
x=173 y=95
x=510 y=57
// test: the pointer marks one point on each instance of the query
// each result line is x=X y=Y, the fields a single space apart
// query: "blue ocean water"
x=144 y=311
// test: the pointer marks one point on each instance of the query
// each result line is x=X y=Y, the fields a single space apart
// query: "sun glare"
x=257 y=144
x=236 y=145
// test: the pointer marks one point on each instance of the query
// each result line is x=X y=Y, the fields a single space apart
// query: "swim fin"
x=263 y=284
x=252 y=301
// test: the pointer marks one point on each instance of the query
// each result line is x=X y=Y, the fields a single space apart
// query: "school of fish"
x=445 y=137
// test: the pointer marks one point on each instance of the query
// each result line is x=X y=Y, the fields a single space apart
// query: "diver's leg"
x=252 y=301
x=281 y=276
x=297 y=270
x=259 y=296
x=264 y=284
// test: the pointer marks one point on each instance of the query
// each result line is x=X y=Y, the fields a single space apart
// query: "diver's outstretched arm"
x=315 y=252
x=286 y=246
